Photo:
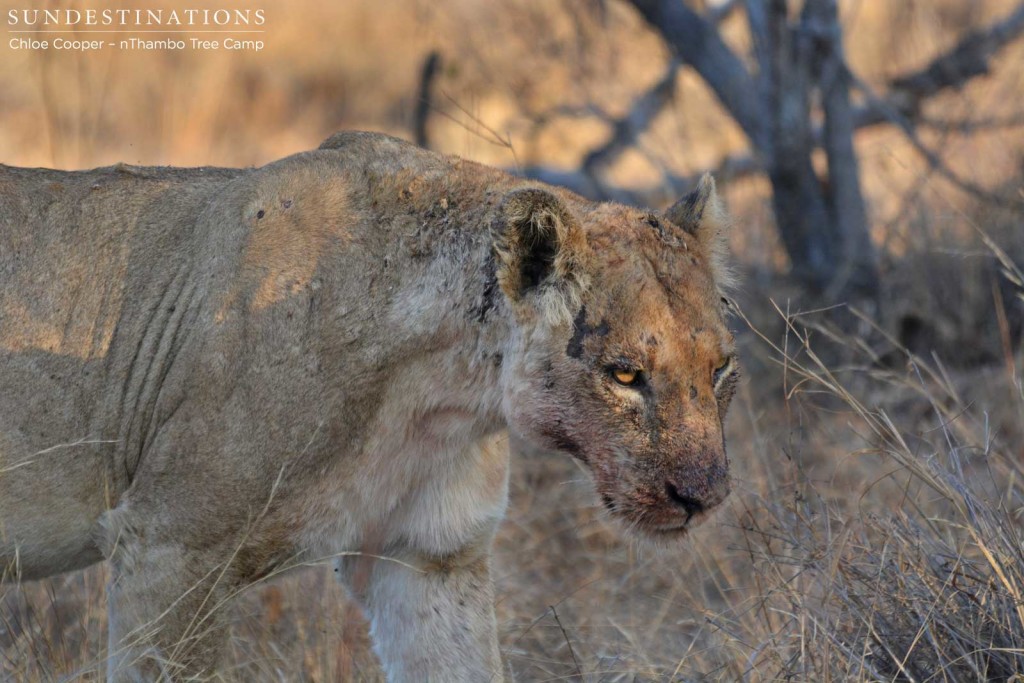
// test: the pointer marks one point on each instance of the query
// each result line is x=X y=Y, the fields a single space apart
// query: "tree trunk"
x=857 y=259
x=800 y=210
x=822 y=222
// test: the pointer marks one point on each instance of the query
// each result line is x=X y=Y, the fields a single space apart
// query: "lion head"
x=621 y=354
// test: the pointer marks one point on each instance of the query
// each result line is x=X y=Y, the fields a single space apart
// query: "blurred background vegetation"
x=872 y=156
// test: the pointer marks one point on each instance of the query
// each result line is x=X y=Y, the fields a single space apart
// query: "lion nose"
x=694 y=492
x=689 y=504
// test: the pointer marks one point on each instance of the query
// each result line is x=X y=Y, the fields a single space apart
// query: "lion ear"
x=539 y=244
x=702 y=215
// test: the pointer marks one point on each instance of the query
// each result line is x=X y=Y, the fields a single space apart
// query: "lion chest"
x=427 y=486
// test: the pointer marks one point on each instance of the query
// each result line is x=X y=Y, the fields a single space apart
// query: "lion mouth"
x=679 y=529
x=668 y=532
x=644 y=523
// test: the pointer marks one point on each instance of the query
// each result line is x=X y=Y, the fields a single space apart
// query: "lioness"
x=211 y=374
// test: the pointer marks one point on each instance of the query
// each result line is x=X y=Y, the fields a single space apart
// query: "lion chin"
x=650 y=525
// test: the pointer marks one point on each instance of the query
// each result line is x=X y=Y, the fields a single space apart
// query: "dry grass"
x=875 y=533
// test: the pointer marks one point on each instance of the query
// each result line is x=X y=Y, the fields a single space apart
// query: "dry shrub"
x=933 y=589
x=954 y=291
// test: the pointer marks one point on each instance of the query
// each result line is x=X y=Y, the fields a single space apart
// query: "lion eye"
x=721 y=372
x=626 y=377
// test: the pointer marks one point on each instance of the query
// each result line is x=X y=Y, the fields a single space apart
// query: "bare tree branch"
x=672 y=185
x=967 y=59
x=675 y=21
x=574 y=180
x=579 y=182
x=588 y=181
x=696 y=42
x=800 y=71
x=428 y=74
x=482 y=130
x=933 y=158
x=627 y=129
x=968 y=126
x=760 y=35
x=719 y=13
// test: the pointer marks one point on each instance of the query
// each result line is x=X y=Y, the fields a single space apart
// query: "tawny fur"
x=211 y=374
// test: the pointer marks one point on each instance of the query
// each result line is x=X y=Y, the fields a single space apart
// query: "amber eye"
x=626 y=377
x=721 y=372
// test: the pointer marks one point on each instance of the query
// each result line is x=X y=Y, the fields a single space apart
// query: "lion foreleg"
x=434 y=621
x=166 y=606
